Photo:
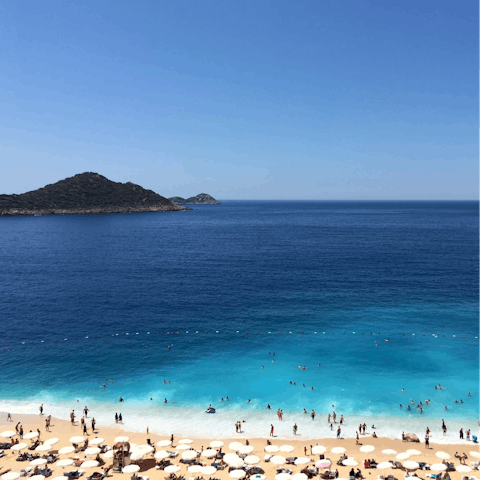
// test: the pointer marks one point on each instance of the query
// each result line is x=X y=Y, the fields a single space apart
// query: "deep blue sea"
x=84 y=299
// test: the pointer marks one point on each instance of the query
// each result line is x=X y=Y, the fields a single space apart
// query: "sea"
x=300 y=305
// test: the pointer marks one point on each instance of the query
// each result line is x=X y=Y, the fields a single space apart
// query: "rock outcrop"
x=200 y=199
x=411 y=437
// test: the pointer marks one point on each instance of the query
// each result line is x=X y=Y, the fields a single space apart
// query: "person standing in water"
x=271 y=430
x=295 y=429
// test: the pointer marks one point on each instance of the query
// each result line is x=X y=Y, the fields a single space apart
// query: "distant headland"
x=86 y=193
x=200 y=199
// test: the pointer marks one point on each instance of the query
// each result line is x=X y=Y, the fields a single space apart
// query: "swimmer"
x=373 y=426
x=303 y=386
x=262 y=366
x=446 y=408
x=222 y=399
x=461 y=401
x=456 y=401
x=469 y=394
x=104 y=386
x=249 y=401
x=120 y=399
x=400 y=405
x=268 y=406
x=165 y=400
x=304 y=411
x=408 y=408
x=319 y=365
x=403 y=389
x=273 y=361
x=311 y=388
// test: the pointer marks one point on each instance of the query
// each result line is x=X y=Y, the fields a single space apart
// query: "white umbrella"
x=410 y=465
x=30 y=435
x=90 y=464
x=443 y=455
x=251 y=460
x=208 y=470
x=130 y=469
x=236 y=462
x=283 y=476
x=438 y=467
x=136 y=455
x=237 y=474
x=195 y=469
x=9 y=434
x=286 y=448
x=172 y=469
x=108 y=454
x=78 y=439
x=44 y=448
x=323 y=463
x=350 y=462
x=164 y=443
x=337 y=450
x=10 y=476
x=96 y=441
x=185 y=441
x=235 y=446
x=209 y=453
x=319 y=450
x=121 y=439
x=144 y=448
x=463 y=468
x=384 y=465
x=161 y=454
x=246 y=449
x=402 y=456
x=412 y=451
x=51 y=441
x=302 y=460
x=389 y=451
x=92 y=451
x=182 y=447
x=271 y=449
x=216 y=444
x=66 y=450
x=278 y=460
x=229 y=456
x=37 y=477
x=65 y=463
x=38 y=461
x=60 y=478
x=189 y=455
x=299 y=476
x=475 y=454
x=19 y=446
x=367 y=448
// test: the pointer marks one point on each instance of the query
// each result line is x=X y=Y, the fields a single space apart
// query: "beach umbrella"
x=251 y=460
x=278 y=460
x=319 y=450
x=302 y=460
x=208 y=470
x=323 y=463
x=130 y=469
x=299 y=476
x=237 y=473
x=185 y=441
x=216 y=444
x=182 y=447
x=463 y=468
x=410 y=465
x=10 y=476
x=8 y=434
x=92 y=451
x=286 y=448
x=189 y=455
x=337 y=450
x=137 y=455
x=230 y=455
x=235 y=446
x=367 y=448
x=402 y=456
x=475 y=454
x=438 y=467
x=77 y=439
x=30 y=435
x=389 y=451
x=350 y=462
x=271 y=449
x=172 y=469
x=90 y=464
x=51 y=441
x=144 y=448
x=209 y=453
x=96 y=441
x=108 y=454
x=246 y=449
x=161 y=454
x=235 y=462
x=259 y=477
x=65 y=463
x=164 y=443
x=283 y=476
x=443 y=455
x=19 y=446
x=44 y=448
x=37 y=477
x=60 y=478
x=195 y=469
x=38 y=461
x=412 y=451
x=383 y=465
x=66 y=450
x=121 y=439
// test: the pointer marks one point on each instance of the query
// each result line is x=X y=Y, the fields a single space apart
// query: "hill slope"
x=200 y=199
x=85 y=193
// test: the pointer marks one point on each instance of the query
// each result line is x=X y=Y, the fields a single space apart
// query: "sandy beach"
x=64 y=430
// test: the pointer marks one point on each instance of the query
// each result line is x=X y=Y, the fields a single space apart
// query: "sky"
x=247 y=99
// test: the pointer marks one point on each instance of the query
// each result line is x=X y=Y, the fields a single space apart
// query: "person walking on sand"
x=21 y=431
x=93 y=424
x=357 y=438
x=271 y=430
x=116 y=417
x=85 y=411
x=120 y=418
x=17 y=427
x=295 y=429
x=72 y=417
x=427 y=441
x=47 y=426
x=85 y=429
x=38 y=431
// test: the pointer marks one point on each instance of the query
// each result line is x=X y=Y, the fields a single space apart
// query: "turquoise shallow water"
x=393 y=269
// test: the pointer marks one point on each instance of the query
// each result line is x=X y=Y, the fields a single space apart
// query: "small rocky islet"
x=200 y=199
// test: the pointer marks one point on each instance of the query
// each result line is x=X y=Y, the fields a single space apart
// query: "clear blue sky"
x=243 y=99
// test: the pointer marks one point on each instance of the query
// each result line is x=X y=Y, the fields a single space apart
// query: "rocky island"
x=200 y=199
x=83 y=194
